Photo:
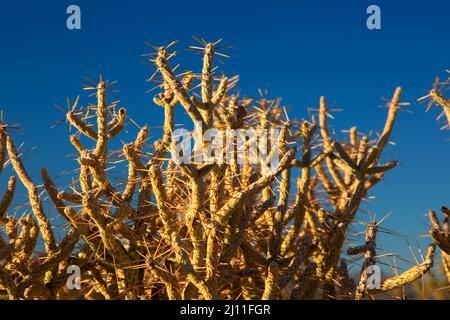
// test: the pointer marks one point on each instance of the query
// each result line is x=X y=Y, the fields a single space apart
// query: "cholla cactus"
x=440 y=235
x=436 y=97
x=437 y=233
x=179 y=228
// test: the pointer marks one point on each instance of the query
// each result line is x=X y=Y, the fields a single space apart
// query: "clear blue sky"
x=298 y=50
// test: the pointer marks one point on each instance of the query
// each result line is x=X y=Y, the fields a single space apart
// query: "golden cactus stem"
x=85 y=178
x=145 y=206
x=25 y=244
x=168 y=125
x=330 y=188
x=347 y=160
x=352 y=251
x=363 y=149
x=271 y=286
x=132 y=179
x=53 y=193
x=438 y=234
x=353 y=135
x=220 y=92
x=409 y=275
x=101 y=147
x=369 y=259
x=352 y=151
x=33 y=194
x=196 y=219
x=373 y=157
x=446 y=265
x=168 y=218
x=263 y=126
x=3 y=137
x=347 y=171
x=373 y=180
x=434 y=220
x=439 y=98
x=284 y=192
x=182 y=96
x=207 y=83
x=312 y=222
x=77 y=144
x=132 y=153
x=212 y=257
x=69 y=197
x=85 y=174
x=382 y=168
x=7 y=197
x=118 y=125
x=440 y=239
x=207 y=73
x=81 y=126
x=247 y=168
x=323 y=114
x=298 y=212
x=141 y=138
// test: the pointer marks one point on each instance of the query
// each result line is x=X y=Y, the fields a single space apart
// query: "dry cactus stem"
x=437 y=233
x=440 y=236
x=194 y=229
x=369 y=250
x=436 y=97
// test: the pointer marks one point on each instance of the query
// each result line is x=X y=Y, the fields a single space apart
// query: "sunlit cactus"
x=175 y=229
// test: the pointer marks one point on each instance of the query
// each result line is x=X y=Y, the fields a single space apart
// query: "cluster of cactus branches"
x=22 y=274
x=440 y=234
x=192 y=230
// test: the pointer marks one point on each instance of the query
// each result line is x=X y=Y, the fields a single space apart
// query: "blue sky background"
x=298 y=50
